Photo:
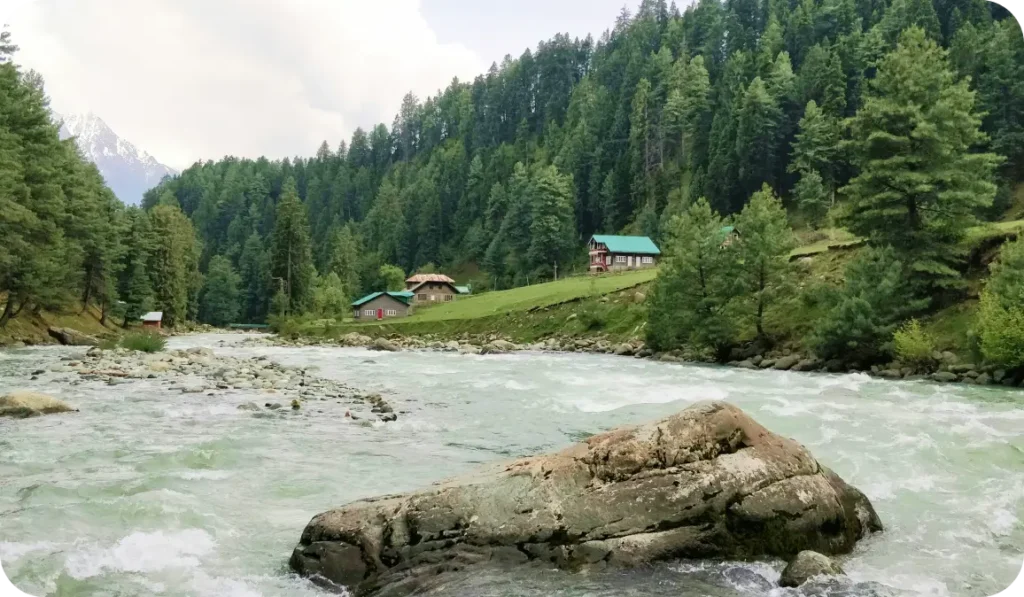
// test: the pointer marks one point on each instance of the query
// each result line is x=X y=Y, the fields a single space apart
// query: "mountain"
x=128 y=170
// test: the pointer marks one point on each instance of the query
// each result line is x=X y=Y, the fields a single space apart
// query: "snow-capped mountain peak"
x=128 y=170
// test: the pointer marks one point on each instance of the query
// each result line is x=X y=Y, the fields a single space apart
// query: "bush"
x=914 y=346
x=144 y=341
x=1001 y=331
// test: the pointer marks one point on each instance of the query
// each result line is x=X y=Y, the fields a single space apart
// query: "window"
x=391 y=312
x=369 y=312
x=448 y=297
x=421 y=297
x=620 y=259
x=608 y=260
x=648 y=259
x=433 y=297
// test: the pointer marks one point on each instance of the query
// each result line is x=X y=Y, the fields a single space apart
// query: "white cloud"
x=196 y=79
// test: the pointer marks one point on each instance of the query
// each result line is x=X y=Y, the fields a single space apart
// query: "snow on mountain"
x=128 y=170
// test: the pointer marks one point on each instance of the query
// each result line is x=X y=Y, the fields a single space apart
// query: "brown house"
x=381 y=305
x=431 y=288
x=613 y=253
x=152 y=319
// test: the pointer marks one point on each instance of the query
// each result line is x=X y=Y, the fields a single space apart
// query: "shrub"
x=1001 y=331
x=144 y=341
x=107 y=344
x=913 y=345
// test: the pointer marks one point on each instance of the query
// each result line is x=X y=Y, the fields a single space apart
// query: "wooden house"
x=381 y=305
x=432 y=288
x=153 y=319
x=613 y=253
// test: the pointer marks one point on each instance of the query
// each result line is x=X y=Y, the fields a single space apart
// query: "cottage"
x=613 y=253
x=379 y=305
x=153 y=319
x=432 y=288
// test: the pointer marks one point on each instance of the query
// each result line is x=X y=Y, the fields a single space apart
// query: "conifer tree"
x=765 y=240
x=221 y=299
x=291 y=259
x=920 y=181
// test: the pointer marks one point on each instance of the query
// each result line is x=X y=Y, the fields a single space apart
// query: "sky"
x=187 y=80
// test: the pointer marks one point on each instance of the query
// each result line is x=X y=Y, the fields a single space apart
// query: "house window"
x=369 y=312
x=608 y=260
x=391 y=313
x=448 y=297
x=421 y=297
x=620 y=259
x=648 y=259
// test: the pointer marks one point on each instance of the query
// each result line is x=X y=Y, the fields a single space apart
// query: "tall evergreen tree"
x=221 y=299
x=291 y=260
x=764 y=245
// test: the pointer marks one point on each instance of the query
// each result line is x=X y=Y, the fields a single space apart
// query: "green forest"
x=899 y=121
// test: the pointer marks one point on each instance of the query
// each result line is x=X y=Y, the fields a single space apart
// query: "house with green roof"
x=381 y=305
x=610 y=253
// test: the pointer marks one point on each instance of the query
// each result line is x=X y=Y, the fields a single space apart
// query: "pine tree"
x=345 y=259
x=764 y=244
x=811 y=196
x=254 y=270
x=919 y=182
x=816 y=148
x=757 y=137
x=552 y=229
x=221 y=299
x=692 y=296
x=291 y=260
x=173 y=262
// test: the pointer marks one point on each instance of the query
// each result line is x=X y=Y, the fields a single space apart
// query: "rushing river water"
x=148 y=491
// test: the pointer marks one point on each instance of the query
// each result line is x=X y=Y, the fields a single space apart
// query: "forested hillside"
x=900 y=121
x=511 y=172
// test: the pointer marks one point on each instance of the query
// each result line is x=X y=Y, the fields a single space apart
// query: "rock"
x=944 y=376
x=808 y=564
x=383 y=344
x=756 y=359
x=998 y=375
x=250 y=406
x=747 y=364
x=983 y=379
x=274 y=406
x=891 y=374
x=708 y=482
x=766 y=364
x=498 y=347
x=452 y=346
x=623 y=350
x=971 y=373
x=389 y=417
x=23 y=403
x=469 y=349
x=961 y=368
x=70 y=337
x=94 y=352
x=296 y=405
x=948 y=358
x=787 y=363
x=807 y=365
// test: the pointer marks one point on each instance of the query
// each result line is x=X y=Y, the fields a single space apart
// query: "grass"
x=32 y=328
x=144 y=341
x=526 y=298
x=992 y=230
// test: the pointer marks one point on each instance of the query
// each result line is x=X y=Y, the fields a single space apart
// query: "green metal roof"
x=638 y=245
x=404 y=297
x=462 y=289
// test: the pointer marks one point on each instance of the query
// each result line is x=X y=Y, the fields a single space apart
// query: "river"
x=148 y=491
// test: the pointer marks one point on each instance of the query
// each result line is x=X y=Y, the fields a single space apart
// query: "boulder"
x=786 y=363
x=806 y=565
x=807 y=365
x=383 y=344
x=623 y=350
x=23 y=404
x=944 y=376
x=249 y=406
x=498 y=347
x=70 y=337
x=707 y=482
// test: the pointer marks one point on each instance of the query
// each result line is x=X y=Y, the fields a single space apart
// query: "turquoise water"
x=148 y=491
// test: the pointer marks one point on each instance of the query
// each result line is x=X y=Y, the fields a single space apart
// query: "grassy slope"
x=31 y=329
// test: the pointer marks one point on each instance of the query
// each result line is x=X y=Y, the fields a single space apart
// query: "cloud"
x=194 y=79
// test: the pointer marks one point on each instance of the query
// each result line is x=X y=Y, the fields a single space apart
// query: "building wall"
x=434 y=292
x=621 y=261
x=392 y=308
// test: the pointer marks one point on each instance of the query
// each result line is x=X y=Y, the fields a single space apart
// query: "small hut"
x=152 y=319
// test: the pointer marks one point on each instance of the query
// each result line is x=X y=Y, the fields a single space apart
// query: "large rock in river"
x=706 y=482
x=22 y=404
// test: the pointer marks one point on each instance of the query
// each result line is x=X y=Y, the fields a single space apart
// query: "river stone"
x=623 y=350
x=806 y=565
x=383 y=344
x=944 y=376
x=707 y=482
x=23 y=404
x=787 y=363
x=70 y=337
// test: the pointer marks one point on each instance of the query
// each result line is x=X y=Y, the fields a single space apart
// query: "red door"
x=380 y=313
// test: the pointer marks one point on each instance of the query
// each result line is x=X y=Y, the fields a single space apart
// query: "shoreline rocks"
x=806 y=565
x=22 y=404
x=706 y=482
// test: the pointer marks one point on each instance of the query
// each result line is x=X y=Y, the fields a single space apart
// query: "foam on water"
x=142 y=552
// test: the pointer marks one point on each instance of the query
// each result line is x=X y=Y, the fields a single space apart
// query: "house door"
x=380 y=313
x=629 y=261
